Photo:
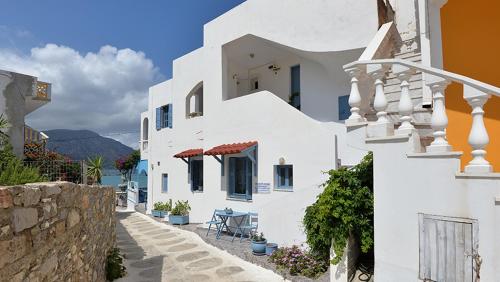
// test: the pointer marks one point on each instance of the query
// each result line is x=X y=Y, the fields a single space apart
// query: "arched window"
x=194 y=101
x=145 y=128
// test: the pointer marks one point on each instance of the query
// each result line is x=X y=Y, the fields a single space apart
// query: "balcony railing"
x=42 y=90
x=476 y=94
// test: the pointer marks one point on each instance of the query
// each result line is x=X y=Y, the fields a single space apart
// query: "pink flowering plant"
x=298 y=262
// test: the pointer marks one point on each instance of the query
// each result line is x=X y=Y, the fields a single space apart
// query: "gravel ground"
x=243 y=250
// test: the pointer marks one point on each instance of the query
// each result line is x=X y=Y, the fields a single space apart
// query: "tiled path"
x=158 y=252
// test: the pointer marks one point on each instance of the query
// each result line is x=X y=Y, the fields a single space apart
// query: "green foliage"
x=94 y=169
x=14 y=172
x=114 y=265
x=181 y=208
x=258 y=237
x=126 y=165
x=344 y=208
x=298 y=262
x=161 y=206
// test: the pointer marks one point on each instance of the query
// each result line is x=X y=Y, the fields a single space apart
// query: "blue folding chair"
x=214 y=221
x=251 y=226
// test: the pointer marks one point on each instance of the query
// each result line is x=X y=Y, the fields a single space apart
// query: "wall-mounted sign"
x=263 y=188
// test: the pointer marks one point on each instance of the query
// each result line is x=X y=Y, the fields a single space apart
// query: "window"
x=194 y=101
x=295 y=86
x=164 y=183
x=283 y=177
x=240 y=178
x=254 y=84
x=344 y=108
x=164 y=117
x=197 y=175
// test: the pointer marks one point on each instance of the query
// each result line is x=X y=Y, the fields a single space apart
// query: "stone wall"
x=56 y=231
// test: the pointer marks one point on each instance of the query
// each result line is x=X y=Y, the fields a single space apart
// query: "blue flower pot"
x=259 y=247
x=157 y=213
x=271 y=248
x=178 y=219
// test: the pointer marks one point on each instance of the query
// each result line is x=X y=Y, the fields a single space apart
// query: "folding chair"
x=214 y=221
x=251 y=226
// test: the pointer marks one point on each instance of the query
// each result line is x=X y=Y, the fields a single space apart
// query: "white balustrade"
x=478 y=136
x=354 y=97
x=380 y=101
x=405 y=106
x=439 y=119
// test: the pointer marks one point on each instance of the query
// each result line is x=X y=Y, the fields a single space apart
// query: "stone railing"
x=476 y=93
x=55 y=231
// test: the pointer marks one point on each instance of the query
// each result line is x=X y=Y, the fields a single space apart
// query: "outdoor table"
x=224 y=216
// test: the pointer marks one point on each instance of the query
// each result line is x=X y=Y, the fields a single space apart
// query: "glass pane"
x=240 y=183
x=281 y=176
x=290 y=176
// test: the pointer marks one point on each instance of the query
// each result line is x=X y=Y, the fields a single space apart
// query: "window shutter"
x=169 y=115
x=158 y=118
x=232 y=175
x=249 y=178
x=344 y=108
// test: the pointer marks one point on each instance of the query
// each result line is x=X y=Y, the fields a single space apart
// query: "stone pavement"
x=158 y=252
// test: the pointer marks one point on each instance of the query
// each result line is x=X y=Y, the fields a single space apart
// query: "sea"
x=114 y=178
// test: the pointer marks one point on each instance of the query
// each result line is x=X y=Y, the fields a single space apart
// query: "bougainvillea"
x=127 y=164
x=298 y=261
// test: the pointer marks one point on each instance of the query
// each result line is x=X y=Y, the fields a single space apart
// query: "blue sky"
x=101 y=56
x=162 y=29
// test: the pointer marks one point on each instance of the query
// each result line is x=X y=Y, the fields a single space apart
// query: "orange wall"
x=471 y=47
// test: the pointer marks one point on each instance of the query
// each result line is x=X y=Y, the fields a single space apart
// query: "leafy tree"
x=343 y=209
x=126 y=165
x=94 y=170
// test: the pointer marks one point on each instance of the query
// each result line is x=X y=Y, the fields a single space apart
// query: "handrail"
x=378 y=45
x=484 y=87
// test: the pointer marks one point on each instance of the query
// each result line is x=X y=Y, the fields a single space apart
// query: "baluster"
x=355 y=97
x=405 y=106
x=377 y=72
x=439 y=119
x=478 y=136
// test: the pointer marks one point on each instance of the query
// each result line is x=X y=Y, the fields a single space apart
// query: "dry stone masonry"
x=56 y=231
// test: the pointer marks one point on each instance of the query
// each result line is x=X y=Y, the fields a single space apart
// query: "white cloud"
x=104 y=91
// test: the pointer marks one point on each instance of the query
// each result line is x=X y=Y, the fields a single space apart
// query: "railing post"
x=478 y=136
x=354 y=96
x=439 y=119
x=382 y=127
x=405 y=106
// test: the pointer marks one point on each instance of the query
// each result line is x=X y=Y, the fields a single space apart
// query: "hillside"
x=81 y=144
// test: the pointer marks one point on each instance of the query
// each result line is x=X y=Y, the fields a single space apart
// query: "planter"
x=259 y=248
x=178 y=219
x=270 y=248
x=157 y=213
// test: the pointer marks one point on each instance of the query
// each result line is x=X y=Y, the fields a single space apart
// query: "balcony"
x=39 y=96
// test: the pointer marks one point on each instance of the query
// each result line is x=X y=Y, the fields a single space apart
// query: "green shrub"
x=181 y=208
x=343 y=209
x=114 y=265
x=161 y=206
x=14 y=173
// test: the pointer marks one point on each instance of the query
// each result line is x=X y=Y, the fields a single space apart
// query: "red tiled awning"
x=189 y=153
x=228 y=149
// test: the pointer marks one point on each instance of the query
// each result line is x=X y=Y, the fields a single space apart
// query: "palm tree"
x=95 y=169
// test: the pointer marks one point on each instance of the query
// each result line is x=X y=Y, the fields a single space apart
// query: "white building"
x=20 y=95
x=282 y=91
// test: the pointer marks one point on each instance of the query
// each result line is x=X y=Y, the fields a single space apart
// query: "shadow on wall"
x=138 y=268
x=471 y=49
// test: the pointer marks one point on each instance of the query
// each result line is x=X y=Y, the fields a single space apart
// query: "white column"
x=478 y=136
x=439 y=119
x=405 y=106
x=354 y=97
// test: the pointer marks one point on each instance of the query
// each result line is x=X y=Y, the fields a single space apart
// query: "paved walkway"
x=157 y=252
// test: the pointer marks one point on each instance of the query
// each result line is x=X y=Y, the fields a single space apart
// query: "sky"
x=100 y=56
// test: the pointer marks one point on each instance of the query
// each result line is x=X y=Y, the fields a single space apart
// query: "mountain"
x=82 y=144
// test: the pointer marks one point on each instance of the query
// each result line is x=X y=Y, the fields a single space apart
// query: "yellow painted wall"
x=471 y=47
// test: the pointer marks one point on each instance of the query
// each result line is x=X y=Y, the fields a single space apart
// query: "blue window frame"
x=164 y=183
x=344 y=108
x=240 y=178
x=196 y=175
x=164 y=117
x=283 y=177
x=295 y=86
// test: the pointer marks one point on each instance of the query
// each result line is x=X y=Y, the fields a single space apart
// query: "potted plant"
x=271 y=248
x=259 y=244
x=180 y=213
x=161 y=209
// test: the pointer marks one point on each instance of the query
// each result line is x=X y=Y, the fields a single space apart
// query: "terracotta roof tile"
x=189 y=153
x=228 y=149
